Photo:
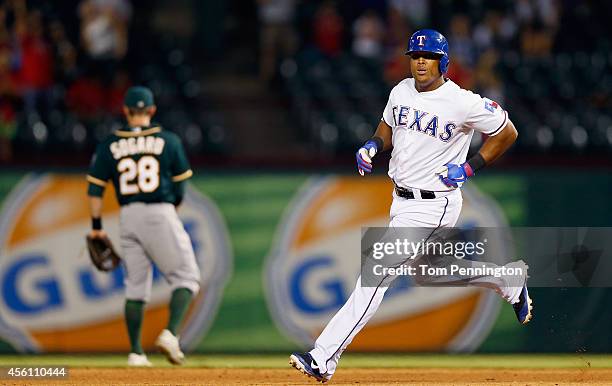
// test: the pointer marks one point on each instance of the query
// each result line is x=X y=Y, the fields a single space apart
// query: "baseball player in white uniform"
x=429 y=122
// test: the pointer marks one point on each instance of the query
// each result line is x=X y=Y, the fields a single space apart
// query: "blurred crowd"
x=545 y=60
x=50 y=76
x=64 y=66
x=379 y=30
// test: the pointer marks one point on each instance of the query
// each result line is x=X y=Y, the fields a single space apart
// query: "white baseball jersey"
x=430 y=129
x=433 y=128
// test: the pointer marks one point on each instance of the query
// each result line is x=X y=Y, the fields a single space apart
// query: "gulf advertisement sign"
x=54 y=300
x=313 y=268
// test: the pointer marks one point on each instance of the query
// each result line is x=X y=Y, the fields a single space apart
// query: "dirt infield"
x=204 y=376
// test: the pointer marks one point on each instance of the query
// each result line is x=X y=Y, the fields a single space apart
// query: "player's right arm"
x=384 y=132
x=381 y=140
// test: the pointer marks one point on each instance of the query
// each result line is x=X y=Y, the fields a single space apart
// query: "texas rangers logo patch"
x=421 y=39
x=490 y=105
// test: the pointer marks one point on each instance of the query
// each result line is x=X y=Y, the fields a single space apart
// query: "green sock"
x=133 y=320
x=181 y=297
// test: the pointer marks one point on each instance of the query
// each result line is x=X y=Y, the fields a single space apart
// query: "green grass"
x=348 y=361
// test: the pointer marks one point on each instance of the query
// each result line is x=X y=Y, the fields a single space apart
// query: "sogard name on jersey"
x=137 y=145
x=401 y=118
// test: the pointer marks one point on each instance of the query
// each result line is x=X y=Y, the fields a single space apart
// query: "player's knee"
x=137 y=293
x=192 y=285
x=190 y=280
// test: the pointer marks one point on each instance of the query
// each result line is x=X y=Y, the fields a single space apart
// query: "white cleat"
x=169 y=345
x=138 y=360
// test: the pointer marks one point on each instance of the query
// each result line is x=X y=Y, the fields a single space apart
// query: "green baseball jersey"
x=145 y=165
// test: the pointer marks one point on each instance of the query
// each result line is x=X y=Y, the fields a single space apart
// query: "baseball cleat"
x=523 y=307
x=169 y=346
x=138 y=360
x=307 y=365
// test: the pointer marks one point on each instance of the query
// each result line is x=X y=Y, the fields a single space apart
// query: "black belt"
x=409 y=194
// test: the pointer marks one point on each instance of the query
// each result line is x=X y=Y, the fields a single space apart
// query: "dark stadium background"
x=548 y=62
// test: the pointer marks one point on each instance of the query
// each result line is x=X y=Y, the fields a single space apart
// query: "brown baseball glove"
x=102 y=253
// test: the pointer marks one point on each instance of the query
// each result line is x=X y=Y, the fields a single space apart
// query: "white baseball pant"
x=364 y=301
x=154 y=232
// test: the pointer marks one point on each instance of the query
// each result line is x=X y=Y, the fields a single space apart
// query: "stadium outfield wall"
x=279 y=255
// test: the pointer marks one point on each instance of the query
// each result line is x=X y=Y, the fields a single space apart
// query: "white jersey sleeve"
x=387 y=116
x=485 y=116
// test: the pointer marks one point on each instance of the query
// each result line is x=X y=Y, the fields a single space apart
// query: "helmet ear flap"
x=444 y=62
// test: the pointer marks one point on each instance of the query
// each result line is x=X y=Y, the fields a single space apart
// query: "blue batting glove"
x=453 y=175
x=364 y=157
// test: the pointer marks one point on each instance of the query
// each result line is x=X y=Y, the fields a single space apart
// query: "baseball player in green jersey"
x=148 y=168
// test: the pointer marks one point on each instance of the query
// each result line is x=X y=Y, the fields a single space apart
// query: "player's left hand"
x=101 y=251
x=453 y=175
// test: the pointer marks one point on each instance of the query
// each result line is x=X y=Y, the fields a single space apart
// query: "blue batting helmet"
x=429 y=40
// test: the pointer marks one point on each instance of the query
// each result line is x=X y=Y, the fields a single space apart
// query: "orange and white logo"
x=315 y=262
x=53 y=299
